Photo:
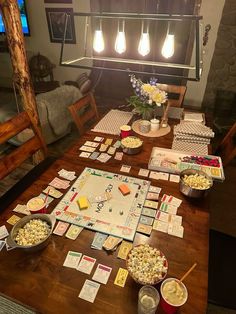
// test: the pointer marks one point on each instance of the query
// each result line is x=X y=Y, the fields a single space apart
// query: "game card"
x=176 y=220
x=143 y=172
x=59 y=183
x=111 y=150
x=86 y=264
x=94 y=155
x=121 y=277
x=103 y=157
x=103 y=147
x=125 y=168
x=151 y=204
x=21 y=209
x=117 y=144
x=9 y=248
x=154 y=189
x=171 y=200
x=118 y=156
x=2 y=244
x=3 y=232
x=98 y=240
x=154 y=175
x=61 y=228
x=162 y=216
x=73 y=232
x=124 y=249
x=91 y=144
x=49 y=198
x=87 y=149
x=84 y=155
x=102 y=274
x=13 y=220
x=144 y=229
x=163 y=176
x=52 y=192
x=149 y=212
x=168 y=208
x=146 y=220
x=152 y=196
x=176 y=230
x=68 y=175
x=72 y=259
x=98 y=139
x=111 y=243
x=174 y=178
x=160 y=226
x=108 y=141
x=89 y=290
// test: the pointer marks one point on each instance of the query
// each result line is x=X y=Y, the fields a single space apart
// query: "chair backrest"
x=11 y=128
x=83 y=111
x=227 y=148
x=175 y=94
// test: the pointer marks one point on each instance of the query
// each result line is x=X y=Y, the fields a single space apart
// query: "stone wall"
x=222 y=74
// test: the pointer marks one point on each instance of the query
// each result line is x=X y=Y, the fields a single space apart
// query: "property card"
x=86 y=264
x=162 y=216
x=111 y=243
x=160 y=226
x=3 y=232
x=118 y=156
x=94 y=155
x=146 y=220
x=176 y=230
x=143 y=172
x=91 y=144
x=21 y=209
x=144 y=229
x=149 y=212
x=103 y=147
x=73 y=232
x=168 y=208
x=72 y=259
x=154 y=175
x=152 y=196
x=108 y=141
x=61 y=228
x=171 y=200
x=174 y=178
x=87 y=149
x=13 y=220
x=124 y=249
x=117 y=144
x=163 y=176
x=98 y=240
x=154 y=189
x=89 y=291
x=151 y=204
x=98 y=139
x=2 y=244
x=102 y=274
x=111 y=150
x=50 y=190
x=176 y=220
x=125 y=168
x=121 y=277
x=84 y=155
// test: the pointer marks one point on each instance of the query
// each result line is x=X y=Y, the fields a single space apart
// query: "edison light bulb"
x=144 y=44
x=98 y=41
x=120 y=44
x=168 y=48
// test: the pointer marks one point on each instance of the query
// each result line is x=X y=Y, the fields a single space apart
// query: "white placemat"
x=194 y=128
x=194 y=148
x=112 y=122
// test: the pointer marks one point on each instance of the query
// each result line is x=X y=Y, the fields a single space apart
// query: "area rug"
x=11 y=306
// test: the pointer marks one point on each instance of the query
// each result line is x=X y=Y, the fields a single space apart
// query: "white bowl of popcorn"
x=131 y=145
x=146 y=265
x=32 y=232
x=195 y=183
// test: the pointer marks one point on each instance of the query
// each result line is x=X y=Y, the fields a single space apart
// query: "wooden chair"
x=14 y=159
x=175 y=94
x=83 y=111
x=227 y=148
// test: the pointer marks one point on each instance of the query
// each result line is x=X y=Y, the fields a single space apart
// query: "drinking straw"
x=46 y=197
x=188 y=272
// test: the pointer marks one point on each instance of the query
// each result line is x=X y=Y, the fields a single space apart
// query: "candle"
x=155 y=124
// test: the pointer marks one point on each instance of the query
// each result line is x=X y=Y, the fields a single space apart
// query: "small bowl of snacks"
x=146 y=265
x=131 y=145
x=195 y=183
x=32 y=232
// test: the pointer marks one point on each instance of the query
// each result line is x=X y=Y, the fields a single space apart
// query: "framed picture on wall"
x=57 y=1
x=56 y=18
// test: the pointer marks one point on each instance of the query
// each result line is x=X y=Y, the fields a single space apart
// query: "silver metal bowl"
x=50 y=219
x=192 y=192
x=131 y=150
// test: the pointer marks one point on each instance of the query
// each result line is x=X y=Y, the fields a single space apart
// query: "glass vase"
x=147 y=115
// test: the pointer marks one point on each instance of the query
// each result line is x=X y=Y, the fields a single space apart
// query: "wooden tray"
x=158 y=133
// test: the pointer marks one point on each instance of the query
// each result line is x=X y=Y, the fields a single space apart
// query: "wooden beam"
x=21 y=75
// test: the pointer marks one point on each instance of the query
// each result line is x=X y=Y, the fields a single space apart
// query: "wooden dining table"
x=39 y=279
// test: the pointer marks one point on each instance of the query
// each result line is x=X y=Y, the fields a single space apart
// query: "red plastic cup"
x=125 y=130
x=36 y=205
x=166 y=305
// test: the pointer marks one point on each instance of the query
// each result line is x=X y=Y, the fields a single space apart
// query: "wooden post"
x=21 y=75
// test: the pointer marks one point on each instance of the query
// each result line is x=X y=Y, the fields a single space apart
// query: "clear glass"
x=148 y=300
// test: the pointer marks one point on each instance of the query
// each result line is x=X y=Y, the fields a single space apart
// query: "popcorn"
x=33 y=232
x=147 y=265
x=197 y=181
x=131 y=142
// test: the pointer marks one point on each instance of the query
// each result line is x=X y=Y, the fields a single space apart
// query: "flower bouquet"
x=148 y=97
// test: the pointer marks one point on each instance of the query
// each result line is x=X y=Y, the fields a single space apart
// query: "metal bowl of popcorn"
x=32 y=232
x=131 y=145
x=195 y=183
x=146 y=265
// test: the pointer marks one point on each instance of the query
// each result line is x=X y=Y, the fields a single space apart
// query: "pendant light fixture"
x=98 y=40
x=120 y=43
x=168 y=48
x=144 y=42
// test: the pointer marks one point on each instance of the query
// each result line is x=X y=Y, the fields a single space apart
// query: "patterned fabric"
x=193 y=148
x=193 y=128
x=112 y=122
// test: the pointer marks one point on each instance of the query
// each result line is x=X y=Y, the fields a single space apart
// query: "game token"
x=124 y=189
